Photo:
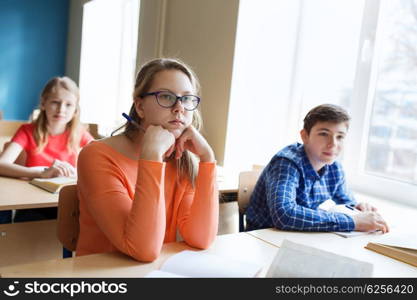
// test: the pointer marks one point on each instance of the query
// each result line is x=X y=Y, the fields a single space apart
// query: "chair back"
x=247 y=182
x=9 y=128
x=93 y=129
x=7 y=131
x=258 y=167
x=68 y=217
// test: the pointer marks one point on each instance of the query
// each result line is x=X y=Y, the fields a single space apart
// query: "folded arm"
x=8 y=165
x=132 y=218
x=281 y=184
x=199 y=211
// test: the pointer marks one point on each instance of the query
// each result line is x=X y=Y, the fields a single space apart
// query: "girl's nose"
x=61 y=107
x=178 y=107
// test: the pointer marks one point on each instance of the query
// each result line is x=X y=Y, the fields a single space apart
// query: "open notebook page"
x=399 y=239
x=298 y=260
x=201 y=264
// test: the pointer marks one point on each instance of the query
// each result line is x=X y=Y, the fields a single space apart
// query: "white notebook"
x=201 y=264
x=349 y=234
x=397 y=238
x=299 y=260
x=53 y=185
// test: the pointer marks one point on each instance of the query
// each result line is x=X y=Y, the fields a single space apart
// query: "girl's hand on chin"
x=193 y=141
x=177 y=132
x=157 y=143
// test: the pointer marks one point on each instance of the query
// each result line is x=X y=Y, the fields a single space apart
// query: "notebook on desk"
x=297 y=260
x=201 y=264
x=53 y=185
x=292 y=260
x=400 y=246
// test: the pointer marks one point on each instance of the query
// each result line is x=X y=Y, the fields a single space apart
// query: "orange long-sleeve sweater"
x=136 y=206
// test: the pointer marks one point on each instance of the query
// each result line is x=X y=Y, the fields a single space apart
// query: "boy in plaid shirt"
x=300 y=177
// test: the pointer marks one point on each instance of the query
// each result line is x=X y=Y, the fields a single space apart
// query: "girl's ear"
x=139 y=108
x=76 y=111
x=42 y=104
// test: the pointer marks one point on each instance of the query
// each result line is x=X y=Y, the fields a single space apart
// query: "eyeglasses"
x=167 y=99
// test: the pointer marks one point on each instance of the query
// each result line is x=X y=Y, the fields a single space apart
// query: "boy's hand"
x=363 y=206
x=370 y=221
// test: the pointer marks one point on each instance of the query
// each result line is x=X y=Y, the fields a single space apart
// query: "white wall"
x=202 y=33
x=72 y=66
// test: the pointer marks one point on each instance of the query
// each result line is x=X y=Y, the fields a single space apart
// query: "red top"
x=56 y=148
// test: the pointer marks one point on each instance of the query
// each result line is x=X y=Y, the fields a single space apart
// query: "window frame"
x=361 y=108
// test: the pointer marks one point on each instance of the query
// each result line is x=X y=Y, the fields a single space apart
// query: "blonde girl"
x=52 y=141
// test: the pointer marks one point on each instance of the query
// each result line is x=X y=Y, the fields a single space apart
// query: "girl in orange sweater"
x=137 y=190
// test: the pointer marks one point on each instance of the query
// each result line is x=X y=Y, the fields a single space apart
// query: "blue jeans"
x=5 y=216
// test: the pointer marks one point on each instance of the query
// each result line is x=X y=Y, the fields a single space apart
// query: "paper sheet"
x=201 y=264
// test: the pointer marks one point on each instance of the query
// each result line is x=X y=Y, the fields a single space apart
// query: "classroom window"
x=290 y=56
x=260 y=81
x=361 y=55
x=395 y=100
x=108 y=61
x=382 y=156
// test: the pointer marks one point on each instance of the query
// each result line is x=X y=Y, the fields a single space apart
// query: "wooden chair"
x=247 y=181
x=258 y=167
x=68 y=227
x=34 y=115
x=9 y=128
x=93 y=129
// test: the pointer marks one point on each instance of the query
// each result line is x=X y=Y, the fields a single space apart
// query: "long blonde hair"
x=187 y=164
x=41 y=122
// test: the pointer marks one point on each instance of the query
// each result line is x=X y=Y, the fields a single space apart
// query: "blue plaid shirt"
x=289 y=191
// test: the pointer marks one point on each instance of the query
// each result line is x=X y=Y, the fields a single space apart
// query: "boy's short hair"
x=325 y=113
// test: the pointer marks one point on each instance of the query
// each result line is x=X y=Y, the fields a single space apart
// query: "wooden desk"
x=7 y=130
x=240 y=246
x=228 y=182
x=20 y=194
x=28 y=241
x=351 y=247
x=258 y=247
x=225 y=188
x=4 y=140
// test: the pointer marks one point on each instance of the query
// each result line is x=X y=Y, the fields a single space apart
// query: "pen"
x=351 y=207
x=130 y=120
